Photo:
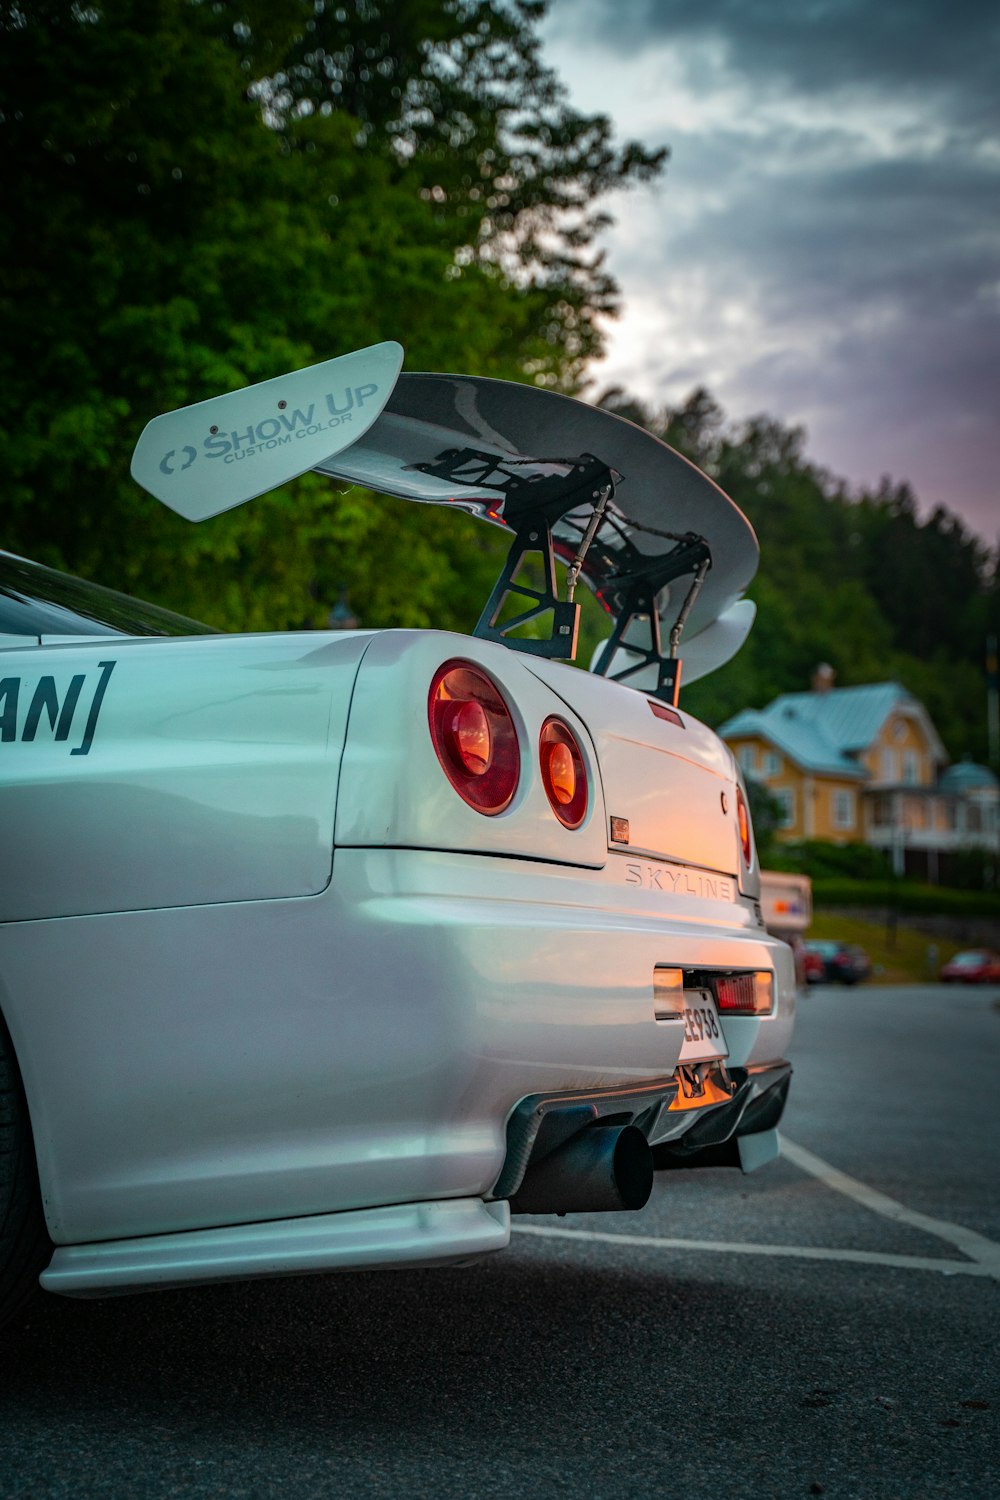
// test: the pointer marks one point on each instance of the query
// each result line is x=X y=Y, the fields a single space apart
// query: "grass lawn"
x=897 y=958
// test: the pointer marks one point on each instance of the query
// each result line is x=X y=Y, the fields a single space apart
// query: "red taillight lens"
x=743 y=818
x=474 y=736
x=746 y=994
x=564 y=775
x=469 y=727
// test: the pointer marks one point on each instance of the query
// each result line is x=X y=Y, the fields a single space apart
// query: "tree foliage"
x=457 y=97
x=202 y=194
x=858 y=580
x=208 y=194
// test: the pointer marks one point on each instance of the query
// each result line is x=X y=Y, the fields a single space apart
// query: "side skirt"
x=403 y=1235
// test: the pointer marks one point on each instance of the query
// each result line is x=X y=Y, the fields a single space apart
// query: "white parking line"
x=985 y=1252
x=740 y=1247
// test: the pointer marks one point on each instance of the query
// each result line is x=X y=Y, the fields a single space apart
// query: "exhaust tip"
x=633 y=1167
x=603 y=1169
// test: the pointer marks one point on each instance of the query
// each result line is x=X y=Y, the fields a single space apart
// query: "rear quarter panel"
x=191 y=771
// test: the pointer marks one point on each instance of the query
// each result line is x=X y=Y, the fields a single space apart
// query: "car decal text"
x=44 y=704
x=271 y=431
x=679 y=882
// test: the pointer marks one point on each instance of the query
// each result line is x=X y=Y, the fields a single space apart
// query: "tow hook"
x=702 y=1083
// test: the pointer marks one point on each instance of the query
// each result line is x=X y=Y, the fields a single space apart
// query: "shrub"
x=821 y=859
x=905 y=896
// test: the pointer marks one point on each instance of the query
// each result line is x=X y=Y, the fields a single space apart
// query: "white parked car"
x=332 y=950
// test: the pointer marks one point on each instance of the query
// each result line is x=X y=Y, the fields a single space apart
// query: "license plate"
x=703 y=1035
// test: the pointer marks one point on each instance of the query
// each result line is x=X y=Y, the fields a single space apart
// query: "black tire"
x=25 y=1247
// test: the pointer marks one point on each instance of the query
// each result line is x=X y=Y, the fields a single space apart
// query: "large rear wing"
x=664 y=550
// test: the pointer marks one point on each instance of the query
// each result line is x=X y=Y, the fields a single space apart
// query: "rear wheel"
x=24 y=1243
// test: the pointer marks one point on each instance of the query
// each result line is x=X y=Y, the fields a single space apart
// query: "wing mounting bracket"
x=632 y=594
x=531 y=507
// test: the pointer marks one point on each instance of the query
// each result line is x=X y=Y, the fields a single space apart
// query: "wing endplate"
x=209 y=457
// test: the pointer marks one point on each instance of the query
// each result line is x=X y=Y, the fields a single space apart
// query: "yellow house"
x=860 y=764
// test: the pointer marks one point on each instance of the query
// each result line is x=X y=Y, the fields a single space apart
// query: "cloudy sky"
x=825 y=244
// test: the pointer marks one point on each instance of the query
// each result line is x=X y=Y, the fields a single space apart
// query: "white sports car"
x=333 y=950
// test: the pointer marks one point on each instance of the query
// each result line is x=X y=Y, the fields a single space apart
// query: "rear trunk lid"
x=672 y=778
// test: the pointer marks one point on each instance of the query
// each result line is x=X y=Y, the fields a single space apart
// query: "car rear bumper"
x=538 y=984
x=363 y=1047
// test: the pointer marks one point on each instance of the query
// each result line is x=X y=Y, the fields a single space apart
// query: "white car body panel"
x=241 y=1057
x=362 y=1047
x=212 y=774
x=281 y=999
x=393 y=791
x=423 y=1234
x=669 y=779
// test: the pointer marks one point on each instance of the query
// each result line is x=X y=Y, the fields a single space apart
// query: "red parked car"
x=974 y=966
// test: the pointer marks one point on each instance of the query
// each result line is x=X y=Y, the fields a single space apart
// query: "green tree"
x=197 y=209
x=456 y=96
x=856 y=580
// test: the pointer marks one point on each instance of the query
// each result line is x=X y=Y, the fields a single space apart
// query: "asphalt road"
x=784 y=1334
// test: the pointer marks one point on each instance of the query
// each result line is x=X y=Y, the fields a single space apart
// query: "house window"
x=882 y=811
x=843 y=809
x=772 y=763
x=888 y=765
x=785 y=798
x=748 y=759
x=911 y=768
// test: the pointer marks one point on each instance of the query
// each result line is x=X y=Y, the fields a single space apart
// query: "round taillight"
x=469 y=732
x=743 y=819
x=564 y=775
x=474 y=736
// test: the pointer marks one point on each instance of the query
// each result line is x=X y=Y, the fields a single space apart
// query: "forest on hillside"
x=203 y=195
x=858 y=579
